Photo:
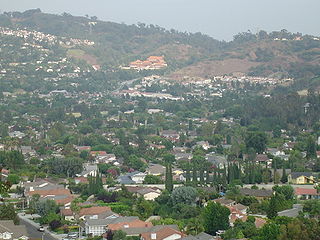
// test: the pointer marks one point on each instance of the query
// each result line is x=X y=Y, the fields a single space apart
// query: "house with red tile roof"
x=162 y=234
x=93 y=211
x=132 y=224
x=60 y=196
x=89 y=212
x=306 y=193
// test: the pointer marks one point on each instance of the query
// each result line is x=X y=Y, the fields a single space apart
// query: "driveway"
x=32 y=229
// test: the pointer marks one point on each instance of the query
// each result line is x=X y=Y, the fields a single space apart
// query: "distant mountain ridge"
x=277 y=54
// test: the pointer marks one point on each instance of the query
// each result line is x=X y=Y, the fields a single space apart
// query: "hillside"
x=277 y=54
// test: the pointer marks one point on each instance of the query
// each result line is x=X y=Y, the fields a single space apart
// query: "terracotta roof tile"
x=93 y=210
x=161 y=234
x=134 y=224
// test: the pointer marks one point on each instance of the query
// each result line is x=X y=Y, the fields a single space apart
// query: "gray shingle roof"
x=17 y=230
x=299 y=174
x=256 y=192
x=200 y=236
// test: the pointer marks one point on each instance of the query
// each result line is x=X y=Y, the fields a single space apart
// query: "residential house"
x=83 y=148
x=41 y=184
x=183 y=155
x=148 y=193
x=171 y=135
x=217 y=160
x=204 y=144
x=200 y=236
x=179 y=150
x=153 y=111
x=97 y=227
x=235 y=214
x=263 y=159
x=123 y=225
x=155 y=146
x=166 y=233
x=275 y=152
x=192 y=135
x=107 y=158
x=100 y=156
x=137 y=231
x=89 y=170
x=301 y=178
x=96 y=212
x=306 y=193
x=93 y=212
x=258 y=193
x=156 y=170
x=225 y=202
x=27 y=151
x=60 y=196
x=10 y=231
x=289 y=145
x=17 y=134
x=241 y=208
x=132 y=178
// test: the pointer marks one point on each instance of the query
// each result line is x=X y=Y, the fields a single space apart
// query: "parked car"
x=41 y=229
x=72 y=235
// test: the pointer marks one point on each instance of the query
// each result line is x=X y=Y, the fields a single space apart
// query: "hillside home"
x=200 y=236
x=97 y=227
x=60 y=196
x=171 y=135
x=132 y=178
x=289 y=145
x=93 y=212
x=263 y=159
x=83 y=148
x=258 y=193
x=306 y=193
x=166 y=233
x=301 y=178
x=204 y=144
x=89 y=170
x=148 y=193
x=155 y=169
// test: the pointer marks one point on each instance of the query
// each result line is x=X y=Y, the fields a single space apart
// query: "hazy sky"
x=220 y=19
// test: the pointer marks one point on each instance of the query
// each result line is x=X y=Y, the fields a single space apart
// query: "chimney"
x=153 y=236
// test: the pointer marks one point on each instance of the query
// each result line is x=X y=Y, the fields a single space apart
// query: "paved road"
x=32 y=229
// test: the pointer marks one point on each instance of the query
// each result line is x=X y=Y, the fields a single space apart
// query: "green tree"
x=286 y=190
x=272 y=210
x=7 y=212
x=169 y=159
x=119 y=235
x=284 y=177
x=269 y=231
x=151 y=179
x=13 y=178
x=215 y=217
x=185 y=195
x=311 y=148
x=194 y=226
x=257 y=141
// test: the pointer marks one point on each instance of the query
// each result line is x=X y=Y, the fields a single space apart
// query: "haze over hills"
x=111 y=131
x=277 y=54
